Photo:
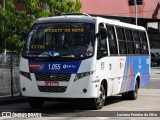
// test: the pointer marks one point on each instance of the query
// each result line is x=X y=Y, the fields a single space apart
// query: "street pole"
x=4 y=4
x=61 y=6
x=11 y=68
x=136 y=11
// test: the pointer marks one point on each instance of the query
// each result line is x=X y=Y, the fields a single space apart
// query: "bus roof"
x=67 y=18
x=118 y=23
x=86 y=19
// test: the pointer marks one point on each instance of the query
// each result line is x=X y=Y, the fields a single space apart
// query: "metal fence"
x=9 y=76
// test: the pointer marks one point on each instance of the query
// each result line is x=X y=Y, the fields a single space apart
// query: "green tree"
x=14 y=21
x=9 y=27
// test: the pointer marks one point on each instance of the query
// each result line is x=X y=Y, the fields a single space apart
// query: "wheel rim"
x=136 y=90
x=101 y=99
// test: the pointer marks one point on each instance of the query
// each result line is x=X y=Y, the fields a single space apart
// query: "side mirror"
x=103 y=33
x=24 y=34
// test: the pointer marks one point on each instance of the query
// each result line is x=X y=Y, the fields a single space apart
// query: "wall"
x=149 y=9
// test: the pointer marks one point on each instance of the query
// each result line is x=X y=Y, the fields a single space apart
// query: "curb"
x=12 y=100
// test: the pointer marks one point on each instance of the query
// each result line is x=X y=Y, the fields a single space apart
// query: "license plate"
x=48 y=83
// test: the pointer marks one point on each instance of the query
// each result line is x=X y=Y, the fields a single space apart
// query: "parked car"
x=155 y=59
x=155 y=50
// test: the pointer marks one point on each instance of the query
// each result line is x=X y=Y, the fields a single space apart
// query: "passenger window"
x=120 y=33
x=130 y=46
x=129 y=40
x=144 y=45
x=136 y=36
x=128 y=34
x=102 y=45
x=112 y=40
x=122 y=47
x=137 y=48
x=143 y=37
x=102 y=48
x=121 y=40
x=137 y=45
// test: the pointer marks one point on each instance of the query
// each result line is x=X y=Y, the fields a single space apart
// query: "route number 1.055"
x=54 y=66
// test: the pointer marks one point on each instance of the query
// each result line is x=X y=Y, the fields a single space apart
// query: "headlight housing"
x=26 y=74
x=81 y=75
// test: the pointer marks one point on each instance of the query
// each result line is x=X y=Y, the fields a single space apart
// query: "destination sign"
x=37 y=46
x=60 y=30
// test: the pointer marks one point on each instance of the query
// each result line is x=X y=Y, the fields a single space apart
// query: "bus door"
x=114 y=67
x=102 y=61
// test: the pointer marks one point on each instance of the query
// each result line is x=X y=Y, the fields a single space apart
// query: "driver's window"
x=102 y=45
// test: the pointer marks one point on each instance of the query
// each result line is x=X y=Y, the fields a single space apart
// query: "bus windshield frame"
x=72 y=41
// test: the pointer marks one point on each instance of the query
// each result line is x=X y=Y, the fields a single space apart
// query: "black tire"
x=131 y=95
x=98 y=103
x=36 y=103
x=125 y=96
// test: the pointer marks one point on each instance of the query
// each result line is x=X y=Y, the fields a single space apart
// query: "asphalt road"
x=147 y=103
x=155 y=78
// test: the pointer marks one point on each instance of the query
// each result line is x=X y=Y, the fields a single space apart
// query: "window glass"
x=129 y=41
x=102 y=45
x=121 y=40
x=137 y=48
x=102 y=48
x=71 y=40
x=128 y=35
x=111 y=33
x=122 y=47
x=130 y=46
x=144 y=45
x=143 y=37
x=135 y=36
x=120 y=33
x=137 y=44
x=112 y=40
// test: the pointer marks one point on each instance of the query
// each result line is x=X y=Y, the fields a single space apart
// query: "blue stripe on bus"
x=54 y=67
x=134 y=65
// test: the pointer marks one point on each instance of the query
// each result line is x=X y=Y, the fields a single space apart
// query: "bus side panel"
x=145 y=79
x=137 y=65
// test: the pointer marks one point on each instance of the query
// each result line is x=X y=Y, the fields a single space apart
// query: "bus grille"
x=52 y=77
x=56 y=89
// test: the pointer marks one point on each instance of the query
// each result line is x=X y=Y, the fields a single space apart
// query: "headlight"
x=26 y=74
x=81 y=75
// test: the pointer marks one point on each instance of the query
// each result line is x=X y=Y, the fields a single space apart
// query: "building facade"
x=148 y=13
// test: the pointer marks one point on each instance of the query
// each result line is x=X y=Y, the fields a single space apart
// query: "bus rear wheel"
x=131 y=95
x=99 y=102
x=36 y=103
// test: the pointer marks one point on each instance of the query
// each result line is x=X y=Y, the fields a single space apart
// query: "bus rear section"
x=123 y=59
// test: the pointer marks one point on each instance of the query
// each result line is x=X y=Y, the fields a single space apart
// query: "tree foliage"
x=14 y=21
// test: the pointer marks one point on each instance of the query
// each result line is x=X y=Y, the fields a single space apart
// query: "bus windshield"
x=60 y=40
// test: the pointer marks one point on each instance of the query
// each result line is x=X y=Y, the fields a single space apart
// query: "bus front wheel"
x=99 y=102
x=36 y=103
